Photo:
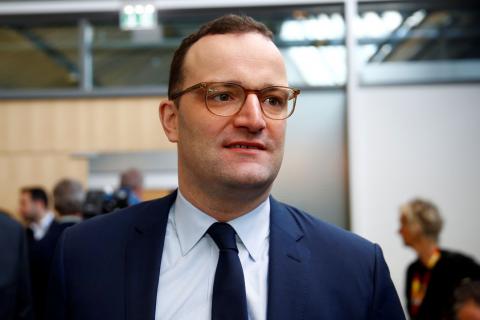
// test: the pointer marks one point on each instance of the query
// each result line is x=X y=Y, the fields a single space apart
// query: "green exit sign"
x=138 y=17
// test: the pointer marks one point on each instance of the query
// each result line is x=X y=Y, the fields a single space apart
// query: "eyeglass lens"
x=226 y=99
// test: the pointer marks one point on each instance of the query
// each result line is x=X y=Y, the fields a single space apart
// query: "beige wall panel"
x=81 y=125
x=19 y=170
x=38 y=138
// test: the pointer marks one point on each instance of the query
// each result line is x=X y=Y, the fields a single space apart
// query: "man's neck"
x=71 y=217
x=225 y=206
x=41 y=226
x=37 y=219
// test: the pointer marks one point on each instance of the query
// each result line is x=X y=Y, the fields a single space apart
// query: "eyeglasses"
x=226 y=99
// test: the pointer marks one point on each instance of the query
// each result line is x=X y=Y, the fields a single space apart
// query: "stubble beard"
x=220 y=179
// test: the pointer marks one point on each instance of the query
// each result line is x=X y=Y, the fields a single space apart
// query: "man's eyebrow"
x=227 y=81
x=264 y=85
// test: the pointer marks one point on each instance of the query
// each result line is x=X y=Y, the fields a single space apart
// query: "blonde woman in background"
x=434 y=275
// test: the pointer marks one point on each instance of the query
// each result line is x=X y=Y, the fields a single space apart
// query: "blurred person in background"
x=68 y=198
x=43 y=232
x=15 y=296
x=433 y=277
x=129 y=193
x=467 y=301
x=131 y=180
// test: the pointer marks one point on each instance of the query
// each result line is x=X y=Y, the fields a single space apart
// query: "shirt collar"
x=253 y=228
x=70 y=218
x=191 y=224
x=40 y=228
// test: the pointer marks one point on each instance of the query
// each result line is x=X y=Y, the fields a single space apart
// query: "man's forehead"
x=224 y=43
x=213 y=54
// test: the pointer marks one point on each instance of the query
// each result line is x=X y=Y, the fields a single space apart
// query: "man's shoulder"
x=8 y=223
x=454 y=260
x=116 y=224
x=455 y=256
x=316 y=230
x=11 y=230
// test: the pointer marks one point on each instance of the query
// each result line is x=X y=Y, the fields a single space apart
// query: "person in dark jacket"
x=15 y=297
x=434 y=275
x=43 y=232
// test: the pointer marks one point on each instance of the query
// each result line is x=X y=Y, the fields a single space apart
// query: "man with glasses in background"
x=221 y=247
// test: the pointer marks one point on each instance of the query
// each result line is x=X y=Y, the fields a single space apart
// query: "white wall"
x=313 y=176
x=412 y=141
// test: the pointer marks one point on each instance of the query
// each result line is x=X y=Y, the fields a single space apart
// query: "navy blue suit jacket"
x=41 y=254
x=108 y=268
x=15 y=296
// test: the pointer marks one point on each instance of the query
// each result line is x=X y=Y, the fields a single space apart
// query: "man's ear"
x=168 y=114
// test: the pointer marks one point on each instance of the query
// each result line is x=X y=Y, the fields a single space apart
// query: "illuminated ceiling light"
x=138 y=17
x=391 y=20
x=337 y=25
x=128 y=9
x=139 y=9
x=415 y=18
x=291 y=31
x=149 y=9
x=373 y=25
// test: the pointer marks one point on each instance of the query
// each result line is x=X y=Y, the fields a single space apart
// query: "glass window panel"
x=130 y=58
x=419 y=42
x=44 y=53
x=312 y=39
x=38 y=57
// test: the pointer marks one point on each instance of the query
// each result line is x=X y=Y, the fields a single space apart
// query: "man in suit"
x=15 y=298
x=43 y=232
x=221 y=247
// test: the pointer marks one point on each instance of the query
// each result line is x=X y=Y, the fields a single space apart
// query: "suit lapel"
x=287 y=272
x=143 y=257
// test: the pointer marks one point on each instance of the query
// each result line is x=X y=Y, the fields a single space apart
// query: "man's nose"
x=250 y=115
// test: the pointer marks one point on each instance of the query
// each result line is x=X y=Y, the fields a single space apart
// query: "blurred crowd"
x=27 y=248
x=441 y=284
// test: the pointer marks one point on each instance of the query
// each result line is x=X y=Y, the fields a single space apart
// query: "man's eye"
x=222 y=97
x=274 y=101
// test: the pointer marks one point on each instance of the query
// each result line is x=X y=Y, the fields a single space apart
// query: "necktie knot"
x=224 y=236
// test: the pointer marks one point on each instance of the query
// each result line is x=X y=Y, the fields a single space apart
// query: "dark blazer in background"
x=446 y=275
x=108 y=268
x=15 y=299
x=41 y=254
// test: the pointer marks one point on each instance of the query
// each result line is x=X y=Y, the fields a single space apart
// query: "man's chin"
x=251 y=180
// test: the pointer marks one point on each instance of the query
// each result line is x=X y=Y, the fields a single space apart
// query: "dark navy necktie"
x=229 y=301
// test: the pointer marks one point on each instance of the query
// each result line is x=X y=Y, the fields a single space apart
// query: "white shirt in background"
x=40 y=228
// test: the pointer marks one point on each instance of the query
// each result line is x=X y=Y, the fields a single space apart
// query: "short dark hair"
x=131 y=179
x=227 y=24
x=37 y=194
x=68 y=197
x=467 y=291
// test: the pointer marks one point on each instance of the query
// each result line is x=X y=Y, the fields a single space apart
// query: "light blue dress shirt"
x=190 y=258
